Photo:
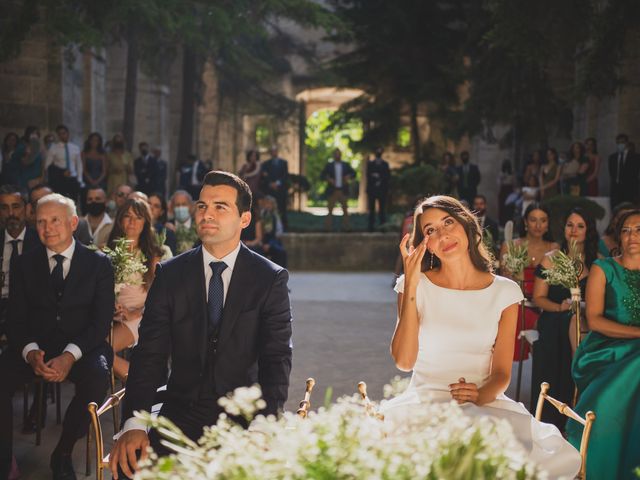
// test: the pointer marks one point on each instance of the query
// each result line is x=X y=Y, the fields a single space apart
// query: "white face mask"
x=181 y=213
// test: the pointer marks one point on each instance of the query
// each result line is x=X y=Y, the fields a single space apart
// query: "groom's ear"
x=245 y=219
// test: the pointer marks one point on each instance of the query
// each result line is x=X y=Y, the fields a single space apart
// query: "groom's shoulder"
x=259 y=264
x=179 y=261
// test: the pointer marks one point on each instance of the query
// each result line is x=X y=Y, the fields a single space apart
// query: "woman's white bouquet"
x=516 y=258
x=565 y=268
x=128 y=267
x=340 y=441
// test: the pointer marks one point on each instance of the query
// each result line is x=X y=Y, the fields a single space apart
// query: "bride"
x=455 y=330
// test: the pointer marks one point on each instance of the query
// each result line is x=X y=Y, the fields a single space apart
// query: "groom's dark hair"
x=219 y=177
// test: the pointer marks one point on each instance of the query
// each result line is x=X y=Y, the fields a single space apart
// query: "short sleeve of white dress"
x=510 y=292
x=399 y=288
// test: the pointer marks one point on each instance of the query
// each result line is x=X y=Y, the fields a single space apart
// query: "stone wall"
x=341 y=251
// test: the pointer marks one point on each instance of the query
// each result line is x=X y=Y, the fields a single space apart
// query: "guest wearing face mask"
x=100 y=223
x=182 y=206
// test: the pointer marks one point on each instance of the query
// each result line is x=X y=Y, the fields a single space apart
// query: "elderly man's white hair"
x=66 y=202
x=181 y=192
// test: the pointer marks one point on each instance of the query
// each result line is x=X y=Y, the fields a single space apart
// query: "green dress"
x=607 y=373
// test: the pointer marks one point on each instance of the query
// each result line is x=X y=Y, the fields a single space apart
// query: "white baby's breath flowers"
x=342 y=442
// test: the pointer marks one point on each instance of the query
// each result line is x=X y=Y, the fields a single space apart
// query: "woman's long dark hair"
x=548 y=236
x=87 y=143
x=147 y=241
x=163 y=204
x=591 y=237
x=480 y=256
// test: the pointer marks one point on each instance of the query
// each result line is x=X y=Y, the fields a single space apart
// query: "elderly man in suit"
x=61 y=304
x=222 y=312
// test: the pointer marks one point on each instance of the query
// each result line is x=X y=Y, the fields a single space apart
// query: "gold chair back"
x=563 y=408
x=368 y=405
x=305 y=404
x=95 y=412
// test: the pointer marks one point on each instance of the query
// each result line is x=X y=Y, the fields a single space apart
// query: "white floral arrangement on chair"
x=340 y=441
x=516 y=257
x=126 y=264
x=565 y=268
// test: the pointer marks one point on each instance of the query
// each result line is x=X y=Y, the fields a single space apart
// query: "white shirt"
x=106 y=220
x=6 y=257
x=56 y=156
x=72 y=348
x=337 y=168
x=230 y=259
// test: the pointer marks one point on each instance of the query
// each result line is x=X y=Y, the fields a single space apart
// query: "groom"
x=222 y=313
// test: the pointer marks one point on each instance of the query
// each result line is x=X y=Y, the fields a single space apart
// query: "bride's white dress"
x=458 y=329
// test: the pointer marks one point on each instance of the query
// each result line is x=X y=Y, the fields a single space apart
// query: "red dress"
x=530 y=314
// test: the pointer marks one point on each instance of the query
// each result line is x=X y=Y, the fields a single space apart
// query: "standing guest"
x=506 y=184
x=48 y=140
x=535 y=233
x=591 y=146
x=100 y=223
x=120 y=164
x=448 y=169
x=16 y=238
x=469 y=175
x=158 y=208
x=624 y=166
x=133 y=222
x=146 y=169
x=487 y=224
x=552 y=351
x=337 y=174
x=574 y=171
x=550 y=175
x=60 y=309
x=27 y=164
x=606 y=364
x=532 y=169
x=9 y=145
x=608 y=245
x=64 y=165
x=275 y=182
x=94 y=165
x=191 y=175
x=161 y=173
x=530 y=192
x=251 y=171
x=223 y=314
x=378 y=175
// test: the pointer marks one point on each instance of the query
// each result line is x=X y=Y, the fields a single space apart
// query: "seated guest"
x=181 y=204
x=607 y=361
x=60 y=309
x=608 y=246
x=158 y=206
x=271 y=230
x=16 y=238
x=552 y=351
x=133 y=221
x=100 y=223
x=119 y=196
x=252 y=235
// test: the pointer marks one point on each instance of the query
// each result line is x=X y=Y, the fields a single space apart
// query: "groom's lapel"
x=197 y=296
x=236 y=298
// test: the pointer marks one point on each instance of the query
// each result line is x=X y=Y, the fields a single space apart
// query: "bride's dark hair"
x=480 y=256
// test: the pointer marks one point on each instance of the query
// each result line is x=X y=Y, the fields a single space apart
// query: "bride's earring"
x=431 y=263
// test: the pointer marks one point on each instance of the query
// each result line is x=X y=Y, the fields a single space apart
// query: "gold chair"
x=368 y=405
x=563 y=408
x=95 y=412
x=305 y=404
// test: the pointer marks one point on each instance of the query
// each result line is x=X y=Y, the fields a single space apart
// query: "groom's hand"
x=125 y=452
x=463 y=392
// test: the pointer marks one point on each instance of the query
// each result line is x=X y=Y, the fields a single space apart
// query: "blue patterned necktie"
x=57 y=275
x=216 y=295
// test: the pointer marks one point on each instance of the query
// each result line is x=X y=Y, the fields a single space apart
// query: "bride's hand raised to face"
x=412 y=259
x=463 y=392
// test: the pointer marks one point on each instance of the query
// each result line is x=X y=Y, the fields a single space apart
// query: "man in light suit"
x=222 y=312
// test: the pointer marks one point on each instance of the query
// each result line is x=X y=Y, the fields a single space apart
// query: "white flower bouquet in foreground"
x=126 y=264
x=565 y=270
x=341 y=442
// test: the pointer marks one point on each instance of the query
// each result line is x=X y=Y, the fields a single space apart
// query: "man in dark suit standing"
x=191 y=175
x=15 y=239
x=624 y=170
x=222 y=312
x=469 y=176
x=146 y=169
x=378 y=175
x=61 y=304
x=487 y=224
x=275 y=182
x=338 y=175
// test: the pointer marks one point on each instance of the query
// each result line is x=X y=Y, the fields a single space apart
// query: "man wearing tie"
x=378 y=175
x=60 y=309
x=222 y=312
x=624 y=167
x=16 y=238
x=64 y=165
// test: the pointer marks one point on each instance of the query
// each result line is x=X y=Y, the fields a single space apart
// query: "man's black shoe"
x=62 y=467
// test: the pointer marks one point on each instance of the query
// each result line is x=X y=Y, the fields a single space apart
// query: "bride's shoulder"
x=508 y=288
